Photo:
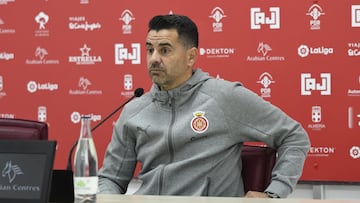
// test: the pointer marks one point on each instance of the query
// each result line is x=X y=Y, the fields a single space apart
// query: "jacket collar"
x=179 y=93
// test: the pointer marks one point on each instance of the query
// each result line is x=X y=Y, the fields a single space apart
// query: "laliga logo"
x=355 y=152
x=32 y=86
x=11 y=171
x=305 y=51
x=76 y=117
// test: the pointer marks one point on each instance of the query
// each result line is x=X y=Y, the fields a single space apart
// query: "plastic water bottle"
x=85 y=164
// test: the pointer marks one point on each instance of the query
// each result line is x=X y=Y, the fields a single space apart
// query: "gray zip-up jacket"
x=189 y=141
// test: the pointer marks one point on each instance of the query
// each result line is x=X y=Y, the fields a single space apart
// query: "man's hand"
x=254 y=194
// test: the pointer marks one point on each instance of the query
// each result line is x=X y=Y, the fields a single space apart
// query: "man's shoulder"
x=139 y=103
x=219 y=86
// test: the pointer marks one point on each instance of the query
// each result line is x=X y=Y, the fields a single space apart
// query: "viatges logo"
x=75 y=117
x=355 y=152
x=217 y=14
x=42 y=19
x=127 y=17
x=321 y=151
x=309 y=84
x=316 y=117
x=259 y=18
x=264 y=51
x=40 y=55
x=265 y=79
x=219 y=52
x=83 y=85
x=354 y=48
x=85 y=58
x=305 y=50
x=7 y=56
x=315 y=11
x=123 y=54
x=5 y=30
x=80 y=23
x=33 y=86
x=355 y=15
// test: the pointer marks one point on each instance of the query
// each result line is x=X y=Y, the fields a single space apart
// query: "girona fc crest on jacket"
x=199 y=123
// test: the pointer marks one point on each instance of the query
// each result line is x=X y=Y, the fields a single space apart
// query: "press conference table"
x=187 y=199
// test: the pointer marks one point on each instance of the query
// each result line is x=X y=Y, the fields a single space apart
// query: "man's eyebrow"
x=160 y=44
x=165 y=44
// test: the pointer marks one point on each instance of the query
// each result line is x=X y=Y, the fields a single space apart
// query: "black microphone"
x=137 y=93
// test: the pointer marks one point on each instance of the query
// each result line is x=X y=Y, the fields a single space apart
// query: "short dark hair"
x=185 y=27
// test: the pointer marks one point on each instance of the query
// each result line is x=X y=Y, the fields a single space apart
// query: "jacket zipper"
x=170 y=144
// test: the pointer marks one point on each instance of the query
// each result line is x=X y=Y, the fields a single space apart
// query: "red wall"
x=76 y=62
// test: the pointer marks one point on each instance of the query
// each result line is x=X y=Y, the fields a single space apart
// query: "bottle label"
x=86 y=185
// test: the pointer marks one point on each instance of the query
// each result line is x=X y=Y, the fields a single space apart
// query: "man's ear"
x=192 y=56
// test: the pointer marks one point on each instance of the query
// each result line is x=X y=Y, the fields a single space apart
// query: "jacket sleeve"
x=119 y=161
x=262 y=121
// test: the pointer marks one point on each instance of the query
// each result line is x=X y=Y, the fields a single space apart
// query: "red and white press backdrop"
x=62 y=59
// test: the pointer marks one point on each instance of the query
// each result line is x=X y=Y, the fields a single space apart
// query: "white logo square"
x=355 y=15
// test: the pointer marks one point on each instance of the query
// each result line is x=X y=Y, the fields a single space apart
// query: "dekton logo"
x=222 y=52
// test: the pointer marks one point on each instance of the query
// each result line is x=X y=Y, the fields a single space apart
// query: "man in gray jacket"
x=188 y=131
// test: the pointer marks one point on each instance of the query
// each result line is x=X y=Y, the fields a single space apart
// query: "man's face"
x=169 y=62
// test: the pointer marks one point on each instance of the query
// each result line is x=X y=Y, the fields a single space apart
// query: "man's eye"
x=150 y=50
x=165 y=50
